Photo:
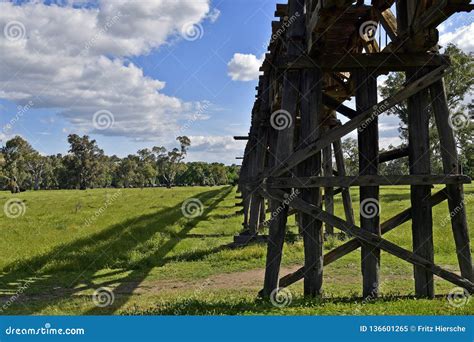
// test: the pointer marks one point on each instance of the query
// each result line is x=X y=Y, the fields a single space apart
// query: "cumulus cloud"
x=244 y=67
x=461 y=36
x=75 y=60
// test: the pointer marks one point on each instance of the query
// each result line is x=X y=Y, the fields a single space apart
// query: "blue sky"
x=134 y=61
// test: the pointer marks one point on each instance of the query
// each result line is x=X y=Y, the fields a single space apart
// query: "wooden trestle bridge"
x=322 y=53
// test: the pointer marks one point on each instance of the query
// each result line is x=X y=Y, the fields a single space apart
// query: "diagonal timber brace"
x=354 y=244
x=363 y=119
x=370 y=238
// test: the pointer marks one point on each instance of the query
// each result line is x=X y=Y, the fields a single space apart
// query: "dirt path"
x=246 y=279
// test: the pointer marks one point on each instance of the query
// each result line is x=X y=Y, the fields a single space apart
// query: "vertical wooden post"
x=450 y=166
x=328 y=172
x=368 y=139
x=341 y=169
x=285 y=142
x=419 y=159
x=260 y=149
x=311 y=112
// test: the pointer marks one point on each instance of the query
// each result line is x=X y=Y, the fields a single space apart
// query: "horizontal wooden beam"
x=281 y=10
x=371 y=239
x=364 y=180
x=237 y=137
x=397 y=153
x=381 y=62
x=334 y=104
x=353 y=244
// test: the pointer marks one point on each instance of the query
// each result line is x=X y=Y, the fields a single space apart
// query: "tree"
x=16 y=153
x=168 y=163
x=351 y=156
x=459 y=83
x=84 y=162
x=36 y=166
x=146 y=167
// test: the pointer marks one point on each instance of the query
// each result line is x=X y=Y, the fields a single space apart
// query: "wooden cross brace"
x=369 y=238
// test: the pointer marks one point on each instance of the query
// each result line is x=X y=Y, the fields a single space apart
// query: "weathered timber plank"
x=364 y=180
x=368 y=141
x=328 y=190
x=332 y=103
x=419 y=160
x=455 y=191
x=393 y=154
x=379 y=62
x=285 y=142
x=346 y=195
x=374 y=240
x=353 y=244
x=311 y=229
x=365 y=117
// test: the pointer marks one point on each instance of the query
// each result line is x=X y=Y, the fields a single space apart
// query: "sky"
x=136 y=74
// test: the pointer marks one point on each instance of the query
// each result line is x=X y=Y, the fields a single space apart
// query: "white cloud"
x=75 y=60
x=244 y=67
x=216 y=144
x=461 y=36
x=212 y=148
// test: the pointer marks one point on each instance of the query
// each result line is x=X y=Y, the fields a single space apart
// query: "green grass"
x=138 y=243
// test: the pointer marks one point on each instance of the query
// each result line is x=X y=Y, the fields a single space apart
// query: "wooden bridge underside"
x=322 y=53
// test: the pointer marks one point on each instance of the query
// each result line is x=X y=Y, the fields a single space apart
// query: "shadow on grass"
x=196 y=306
x=71 y=268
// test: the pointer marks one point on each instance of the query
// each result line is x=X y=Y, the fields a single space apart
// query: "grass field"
x=137 y=243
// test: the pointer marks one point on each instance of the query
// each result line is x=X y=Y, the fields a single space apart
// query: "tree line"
x=87 y=166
